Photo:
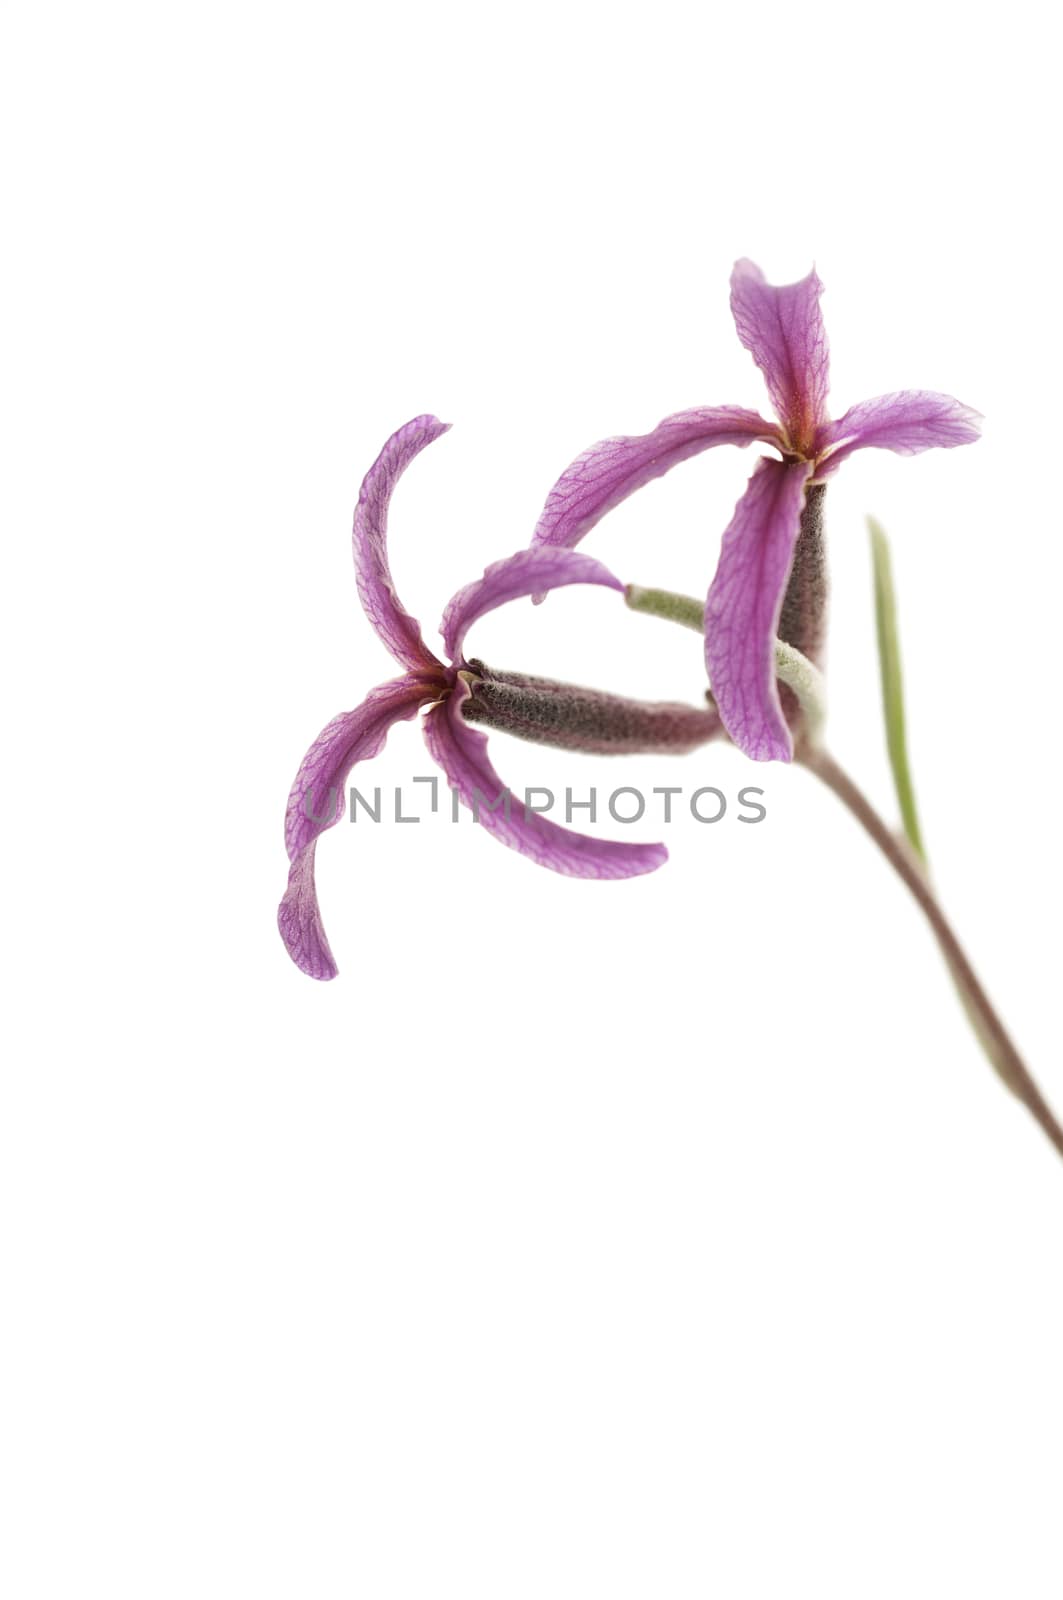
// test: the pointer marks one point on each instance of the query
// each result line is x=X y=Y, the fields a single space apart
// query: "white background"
x=667 y=1238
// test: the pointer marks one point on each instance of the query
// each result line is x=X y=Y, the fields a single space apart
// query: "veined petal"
x=299 y=920
x=352 y=736
x=611 y=470
x=376 y=588
x=907 y=422
x=532 y=571
x=462 y=753
x=743 y=607
x=782 y=328
x=317 y=802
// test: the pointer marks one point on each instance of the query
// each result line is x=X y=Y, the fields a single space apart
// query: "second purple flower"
x=770 y=580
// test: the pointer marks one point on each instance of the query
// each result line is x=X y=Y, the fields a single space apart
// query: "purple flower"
x=782 y=328
x=316 y=801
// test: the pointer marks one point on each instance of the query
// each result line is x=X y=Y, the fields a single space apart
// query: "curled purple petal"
x=532 y=571
x=317 y=802
x=611 y=470
x=743 y=607
x=299 y=920
x=462 y=753
x=782 y=328
x=907 y=422
x=376 y=588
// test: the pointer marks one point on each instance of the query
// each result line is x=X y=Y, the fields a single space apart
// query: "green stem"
x=791 y=667
x=681 y=608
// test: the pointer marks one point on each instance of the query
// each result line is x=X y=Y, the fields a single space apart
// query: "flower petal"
x=317 y=802
x=376 y=588
x=782 y=328
x=532 y=571
x=299 y=920
x=462 y=753
x=907 y=422
x=608 y=472
x=743 y=607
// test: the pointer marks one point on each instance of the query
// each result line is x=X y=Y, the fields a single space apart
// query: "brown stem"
x=991 y=1030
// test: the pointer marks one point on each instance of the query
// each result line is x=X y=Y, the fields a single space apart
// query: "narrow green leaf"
x=889 y=660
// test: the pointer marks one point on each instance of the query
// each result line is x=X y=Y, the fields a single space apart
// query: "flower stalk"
x=904 y=852
x=793 y=669
x=991 y=1030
